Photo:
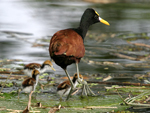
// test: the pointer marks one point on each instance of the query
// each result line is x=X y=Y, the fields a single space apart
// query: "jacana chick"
x=30 y=84
x=64 y=88
x=67 y=46
x=47 y=65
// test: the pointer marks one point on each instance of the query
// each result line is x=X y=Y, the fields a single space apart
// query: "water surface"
x=43 y=18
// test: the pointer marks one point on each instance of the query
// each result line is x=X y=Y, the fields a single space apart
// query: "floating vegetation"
x=126 y=88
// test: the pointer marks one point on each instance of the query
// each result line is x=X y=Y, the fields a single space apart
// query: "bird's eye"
x=96 y=16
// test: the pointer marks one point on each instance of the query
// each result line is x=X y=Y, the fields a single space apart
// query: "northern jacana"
x=47 y=65
x=67 y=46
x=30 y=84
x=64 y=88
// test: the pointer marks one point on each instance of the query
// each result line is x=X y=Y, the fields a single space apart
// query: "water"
x=43 y=18
x=25 y=22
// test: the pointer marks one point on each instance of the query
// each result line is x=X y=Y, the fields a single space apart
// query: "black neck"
x=34 y=76
x=43 y=65
x=82 y=29
x=74 y=80
x=88 y=18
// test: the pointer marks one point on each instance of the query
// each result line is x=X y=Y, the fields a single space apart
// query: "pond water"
x=43 y=18
x=26 y=23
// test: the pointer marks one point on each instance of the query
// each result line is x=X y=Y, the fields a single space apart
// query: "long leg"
x=29 y=102
x=72 y=85
x=79 y=80
x=69 y=94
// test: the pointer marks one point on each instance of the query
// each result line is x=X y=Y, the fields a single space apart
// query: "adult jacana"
x=47 y=65
x=67 y=46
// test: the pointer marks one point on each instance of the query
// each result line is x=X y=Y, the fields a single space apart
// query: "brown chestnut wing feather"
x=64 y=85
x=67 y=42
x=32 y=66
x=28 y=82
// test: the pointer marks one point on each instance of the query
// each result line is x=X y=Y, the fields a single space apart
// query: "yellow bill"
x=103 y=21
x=53 y=69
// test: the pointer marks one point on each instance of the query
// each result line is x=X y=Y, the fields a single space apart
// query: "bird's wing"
x=67 y=42
x=33 y=66
x=64 y=85
x=28 y=82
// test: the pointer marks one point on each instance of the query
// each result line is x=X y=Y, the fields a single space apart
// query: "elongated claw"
x=90 y=91
x=86 y=90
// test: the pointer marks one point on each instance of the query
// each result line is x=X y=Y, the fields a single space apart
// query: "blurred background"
x=26 y=27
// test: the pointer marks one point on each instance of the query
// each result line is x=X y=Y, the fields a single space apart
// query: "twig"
x=121 y=97
x=143 y=58
x=97 y=107
x=136 y=104
x=53 y=110
x=123 y=56
x=75 y=92
x=138 y=96
x=4 y=83
x=14 y=111
x=131 y=87
x=119 y=83
x=139 y=44
x=2 y=108
x=8 y=72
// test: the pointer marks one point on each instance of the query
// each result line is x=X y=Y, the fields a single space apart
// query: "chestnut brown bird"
x=47 y=65
x=64 y=88
x=67 y=46
x=30 y=84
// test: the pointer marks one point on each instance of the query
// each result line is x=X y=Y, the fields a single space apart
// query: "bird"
x=41 y=68
x=64 y=88
x=30 y=84
x=67 y=45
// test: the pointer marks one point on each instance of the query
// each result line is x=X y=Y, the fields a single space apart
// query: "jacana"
x=30 y=84
x=64 y=88
x=47 y=65
x=67 y=46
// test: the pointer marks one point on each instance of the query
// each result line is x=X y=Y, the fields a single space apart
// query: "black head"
x=90 y=16
x=75 y=77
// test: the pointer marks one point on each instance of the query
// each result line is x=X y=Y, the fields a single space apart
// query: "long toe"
x=84 y=91
x=90 y=92
x=87 y=89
